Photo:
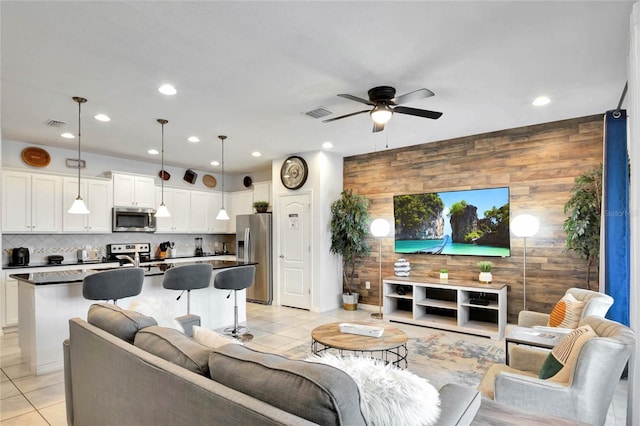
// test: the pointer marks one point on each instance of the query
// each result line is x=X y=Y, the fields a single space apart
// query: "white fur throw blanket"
x=388 y=395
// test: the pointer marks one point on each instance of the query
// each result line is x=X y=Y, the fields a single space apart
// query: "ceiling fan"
x=384 y=102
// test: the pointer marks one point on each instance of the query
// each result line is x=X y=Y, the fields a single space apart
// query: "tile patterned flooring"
x=28 y=400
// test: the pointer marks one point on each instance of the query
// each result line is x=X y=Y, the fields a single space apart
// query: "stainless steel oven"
x=133 y=219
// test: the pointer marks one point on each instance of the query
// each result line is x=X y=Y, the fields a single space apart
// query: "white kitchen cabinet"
x=133 y=190
x=178 y=203
x=31 y=203
x=241 y=203
x=262 y=192
x=201 y=214
x=9 y=302
x=97 y=196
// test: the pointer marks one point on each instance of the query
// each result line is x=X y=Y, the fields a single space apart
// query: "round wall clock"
x=293 y=172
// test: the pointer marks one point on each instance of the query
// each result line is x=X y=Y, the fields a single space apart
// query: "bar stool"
x=113 y=284
x=235 y=279
x=187 y=278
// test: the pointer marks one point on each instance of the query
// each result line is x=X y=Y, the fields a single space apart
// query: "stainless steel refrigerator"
x=254 y=244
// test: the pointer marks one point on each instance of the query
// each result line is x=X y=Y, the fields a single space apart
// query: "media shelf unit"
x=447 y=305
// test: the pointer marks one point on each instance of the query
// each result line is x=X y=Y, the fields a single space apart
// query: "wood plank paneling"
x=538 y=163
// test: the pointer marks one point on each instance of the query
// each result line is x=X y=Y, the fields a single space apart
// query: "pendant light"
x=162 y=209
x=222 y=214
x=78 y=206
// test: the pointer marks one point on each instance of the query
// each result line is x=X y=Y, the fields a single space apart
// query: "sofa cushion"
x=212 y=339
x=389 y=395
x=566 y=313
x=174 y=346
x=562 y=359
x=319 y=393
x=117 y=321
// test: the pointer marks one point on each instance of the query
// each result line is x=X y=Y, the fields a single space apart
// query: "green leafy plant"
x=444 y=271
x=485 y=266
x=349 y=231
x=261 y=206
x=583 y=224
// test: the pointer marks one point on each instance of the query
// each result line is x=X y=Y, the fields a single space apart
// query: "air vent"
x=318 y=112
x=54 y=123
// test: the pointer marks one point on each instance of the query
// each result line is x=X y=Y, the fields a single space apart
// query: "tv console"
x=456 y=305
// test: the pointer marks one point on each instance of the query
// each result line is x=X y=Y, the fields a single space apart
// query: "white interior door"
x=294 y=251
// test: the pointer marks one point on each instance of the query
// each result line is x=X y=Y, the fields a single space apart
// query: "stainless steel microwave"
x=133 y=219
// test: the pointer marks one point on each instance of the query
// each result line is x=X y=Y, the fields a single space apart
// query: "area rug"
x=442 y=357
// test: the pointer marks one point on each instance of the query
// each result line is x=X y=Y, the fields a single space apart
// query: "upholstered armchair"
x=596 y=303
x=592 y=382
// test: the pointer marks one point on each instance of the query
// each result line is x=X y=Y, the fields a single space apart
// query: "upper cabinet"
x=241 y=202
x=178 y=203
x=133 y=190
x=97 y=195
x=262 y=191
x=31 y=203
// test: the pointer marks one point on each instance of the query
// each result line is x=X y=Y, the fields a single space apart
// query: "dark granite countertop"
x=115 y=262
x=65 y=277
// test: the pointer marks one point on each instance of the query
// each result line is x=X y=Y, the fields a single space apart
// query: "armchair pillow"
x=562 y=359
x=566 y=313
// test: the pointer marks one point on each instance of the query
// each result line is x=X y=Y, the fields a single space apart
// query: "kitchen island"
x=47 y=300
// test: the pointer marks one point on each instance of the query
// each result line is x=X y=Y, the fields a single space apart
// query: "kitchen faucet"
x=135 y=260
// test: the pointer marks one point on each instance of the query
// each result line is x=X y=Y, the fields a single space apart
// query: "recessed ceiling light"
x=541 y=100
x=68 y=135
x=167 y=89
x=102 y=117
x=215 y=163
x=153 y=152
x=327 y=145
x=193 y=139
x=256 y=154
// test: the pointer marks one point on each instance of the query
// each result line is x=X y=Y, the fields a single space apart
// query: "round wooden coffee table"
x=390 y=347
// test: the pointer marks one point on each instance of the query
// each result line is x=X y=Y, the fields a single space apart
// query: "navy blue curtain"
x=616 y=215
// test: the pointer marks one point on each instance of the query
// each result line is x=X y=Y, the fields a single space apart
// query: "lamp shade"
x=222 y=215
x=78 y=207
x=381 y=114
x=380 y=228
x=524 y=226
x=162 y=211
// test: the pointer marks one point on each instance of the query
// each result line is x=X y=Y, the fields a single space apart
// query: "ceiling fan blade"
x=345 y=116
x=377 y=127
x=357 y=99
x=418 y=112
x=412 y=96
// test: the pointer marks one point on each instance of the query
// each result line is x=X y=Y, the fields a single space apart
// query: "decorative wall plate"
x=190 y=176
x=36 y=157
x=164 y=175
x=247 y=181
x=209 y=181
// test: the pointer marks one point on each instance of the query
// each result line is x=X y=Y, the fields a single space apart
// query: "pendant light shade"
x=162 y=210
x=78 y=206
x=222 y=214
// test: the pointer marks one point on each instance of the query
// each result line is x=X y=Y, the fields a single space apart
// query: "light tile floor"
x=27 y=400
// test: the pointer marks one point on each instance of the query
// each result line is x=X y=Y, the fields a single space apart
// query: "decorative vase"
x=444 y=275
x=485 y=277
x=402 y=267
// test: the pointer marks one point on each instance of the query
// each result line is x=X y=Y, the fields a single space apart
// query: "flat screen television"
x=471 y=222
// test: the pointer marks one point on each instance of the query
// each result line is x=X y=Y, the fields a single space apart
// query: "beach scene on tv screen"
x=470 y=222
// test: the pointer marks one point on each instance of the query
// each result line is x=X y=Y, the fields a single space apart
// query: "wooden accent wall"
x=538 y=163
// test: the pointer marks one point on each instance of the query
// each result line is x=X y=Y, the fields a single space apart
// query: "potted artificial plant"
x=349 y=232
x=583 y=224
x=261 y=206
x=444 y=274
x=485 y=272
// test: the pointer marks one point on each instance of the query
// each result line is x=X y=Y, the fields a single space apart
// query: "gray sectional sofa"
x=121 y=368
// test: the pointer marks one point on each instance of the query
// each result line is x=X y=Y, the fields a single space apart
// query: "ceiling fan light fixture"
x=381 y=114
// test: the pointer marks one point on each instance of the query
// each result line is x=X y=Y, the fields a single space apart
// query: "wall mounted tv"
x=471 y=222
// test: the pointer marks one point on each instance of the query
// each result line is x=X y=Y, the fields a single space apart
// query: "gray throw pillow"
x=175 y=347
x=319 y=393
x=117 y=321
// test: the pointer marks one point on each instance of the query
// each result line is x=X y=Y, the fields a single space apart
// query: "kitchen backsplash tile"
x=42 y=245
